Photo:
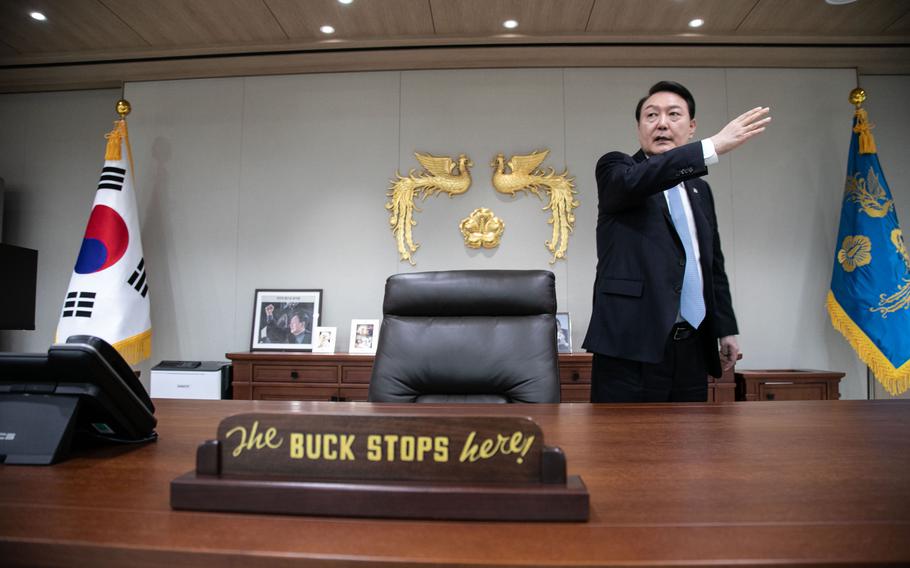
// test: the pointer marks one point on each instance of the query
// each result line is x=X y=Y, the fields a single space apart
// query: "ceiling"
x=149 y=33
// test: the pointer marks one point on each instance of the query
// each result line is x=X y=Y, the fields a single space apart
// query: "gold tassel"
x=866 y=141
x=895 y=380
x=136 y=348
x=113 y=141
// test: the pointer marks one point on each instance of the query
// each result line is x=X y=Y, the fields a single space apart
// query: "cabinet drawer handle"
x=294 y=375
x=575 y=376
x=769 y=396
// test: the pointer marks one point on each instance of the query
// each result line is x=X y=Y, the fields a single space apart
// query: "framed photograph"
x=283 y=320
x=324 y=339
x=563 y=333
x=364 y=336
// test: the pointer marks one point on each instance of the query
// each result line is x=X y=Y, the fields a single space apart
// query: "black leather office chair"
x=468 y=336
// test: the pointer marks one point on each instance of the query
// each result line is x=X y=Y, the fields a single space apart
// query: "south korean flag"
x=108 y=295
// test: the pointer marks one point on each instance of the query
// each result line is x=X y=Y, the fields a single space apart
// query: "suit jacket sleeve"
x=624 y=182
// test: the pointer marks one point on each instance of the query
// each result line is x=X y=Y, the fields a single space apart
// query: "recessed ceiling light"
x=345 y=1
x=510 y=24
x=696 y=23
x=327 y=29
x=38 y=16
x=839 y=2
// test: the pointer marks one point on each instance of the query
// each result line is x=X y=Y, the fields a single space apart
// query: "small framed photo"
x=324 y=339
x=364 y=336
x=283 y=320
x=563 y=333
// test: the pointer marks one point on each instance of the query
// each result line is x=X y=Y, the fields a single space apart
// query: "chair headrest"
x=471 y=293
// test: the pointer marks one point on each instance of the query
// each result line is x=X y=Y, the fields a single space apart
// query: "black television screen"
x=19 y=270
x=81 y=388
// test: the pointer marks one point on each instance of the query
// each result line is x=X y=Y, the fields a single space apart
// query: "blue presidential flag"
x=869 y=300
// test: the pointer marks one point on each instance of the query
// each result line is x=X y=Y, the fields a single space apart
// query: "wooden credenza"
x=345 y=377
x=787 y=384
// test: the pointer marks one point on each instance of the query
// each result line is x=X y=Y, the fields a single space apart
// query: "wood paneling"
x=371 y=18
x=481 y=17
x=867 y=17
x=868 y=60
x=663 y=16
x=197 y=22
x=72 y=25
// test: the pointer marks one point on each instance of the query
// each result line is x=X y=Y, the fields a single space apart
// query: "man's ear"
x=691 y=128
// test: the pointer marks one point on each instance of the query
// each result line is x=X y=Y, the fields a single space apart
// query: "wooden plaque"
x=446 y=467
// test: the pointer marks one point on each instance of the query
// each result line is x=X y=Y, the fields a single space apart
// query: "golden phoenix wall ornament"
x=440 y=175
x=526 y=175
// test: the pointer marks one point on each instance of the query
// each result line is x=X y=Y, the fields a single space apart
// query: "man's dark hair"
x=668 y=87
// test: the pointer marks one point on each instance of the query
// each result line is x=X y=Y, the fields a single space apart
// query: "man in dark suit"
x=661 y=295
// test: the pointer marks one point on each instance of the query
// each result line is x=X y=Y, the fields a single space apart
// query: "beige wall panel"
x=51 y=154
x=786 y=199
x=317 y=154
x=186 y=138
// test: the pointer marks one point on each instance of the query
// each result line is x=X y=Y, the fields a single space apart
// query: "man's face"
x=664 y=123
x=295 y=325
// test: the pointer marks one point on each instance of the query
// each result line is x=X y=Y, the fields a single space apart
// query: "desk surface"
x=686 y=485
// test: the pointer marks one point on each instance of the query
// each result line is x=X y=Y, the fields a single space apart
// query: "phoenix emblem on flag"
x=868 y=193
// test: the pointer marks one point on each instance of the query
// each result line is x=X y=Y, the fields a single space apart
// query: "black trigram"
x=79 y=304
x=137 y=279
x=111 y=178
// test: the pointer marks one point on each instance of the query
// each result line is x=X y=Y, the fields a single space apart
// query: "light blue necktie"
x=692 y=301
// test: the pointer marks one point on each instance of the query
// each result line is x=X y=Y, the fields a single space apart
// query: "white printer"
x=191 y=379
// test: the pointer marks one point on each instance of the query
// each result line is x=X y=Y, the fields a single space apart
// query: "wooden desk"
x=687 y=485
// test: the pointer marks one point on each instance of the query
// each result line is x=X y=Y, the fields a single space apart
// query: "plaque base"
x=526 y=502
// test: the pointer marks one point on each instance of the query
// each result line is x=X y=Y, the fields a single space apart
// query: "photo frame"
x=324 y=339
x=563 y=333
x=364 y=336
x=283 y=320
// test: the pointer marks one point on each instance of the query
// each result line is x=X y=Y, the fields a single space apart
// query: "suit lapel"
x=702 y=227
x=659 y=198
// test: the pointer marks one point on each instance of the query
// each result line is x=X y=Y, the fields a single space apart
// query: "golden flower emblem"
x=482 y=229
x=856 y=251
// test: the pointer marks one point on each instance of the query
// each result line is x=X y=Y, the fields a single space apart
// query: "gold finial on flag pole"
x=123 y=108
x=862 y=127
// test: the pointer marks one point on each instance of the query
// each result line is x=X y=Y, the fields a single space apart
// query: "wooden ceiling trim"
x=373 y=18
x=200 y=22
x=484 y=17
x=630 y=16
x=867 y=60
x=432 y=42
x=72 y=26
x=867 y=17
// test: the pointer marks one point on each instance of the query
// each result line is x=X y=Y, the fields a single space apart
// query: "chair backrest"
x=468 y=336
